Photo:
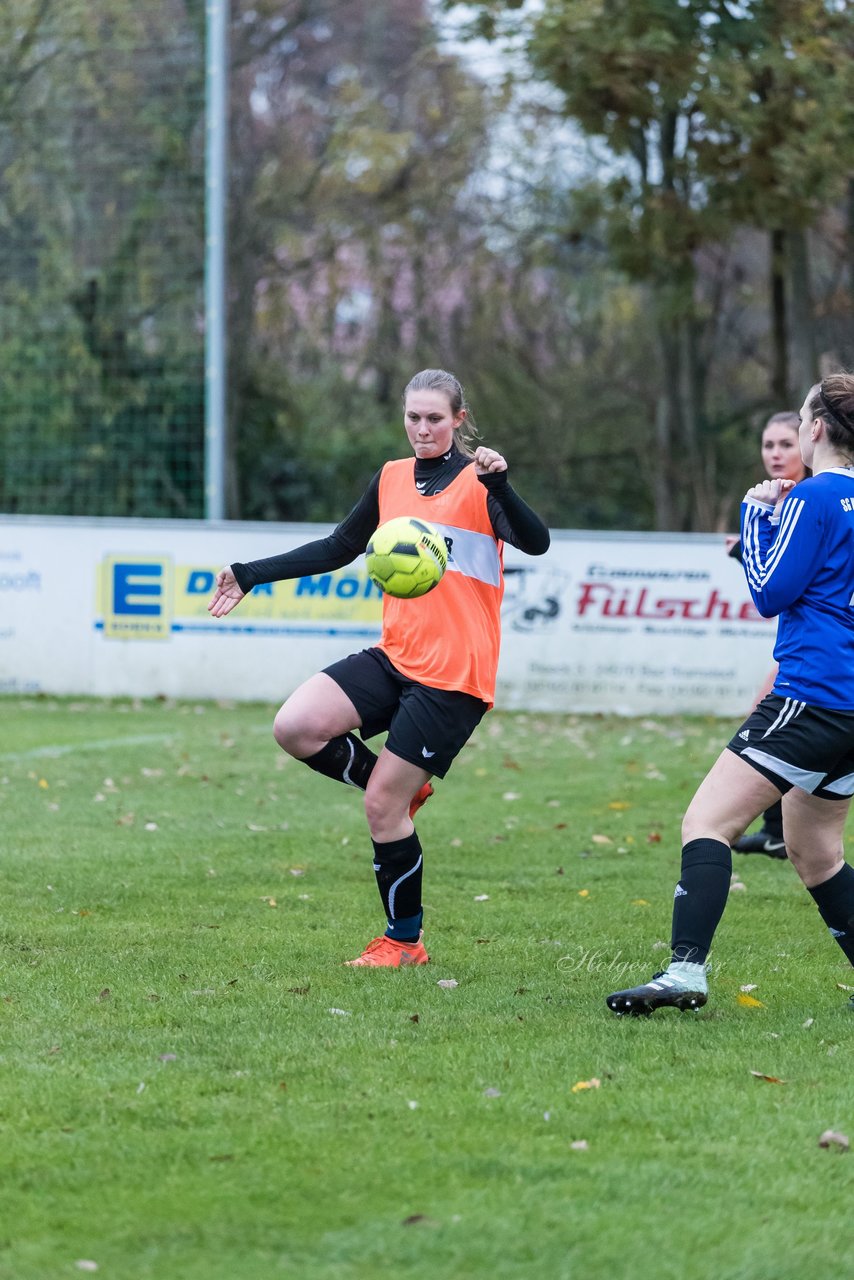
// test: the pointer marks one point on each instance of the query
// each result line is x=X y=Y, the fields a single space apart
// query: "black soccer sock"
x=835 y=902
x=772 y=820
x=700 y=898
x=346 y=759
x=398 y=865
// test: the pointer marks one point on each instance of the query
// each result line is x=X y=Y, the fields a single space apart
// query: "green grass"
x=179 y=1097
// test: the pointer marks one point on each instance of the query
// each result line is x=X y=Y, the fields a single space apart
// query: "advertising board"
x=629 y=624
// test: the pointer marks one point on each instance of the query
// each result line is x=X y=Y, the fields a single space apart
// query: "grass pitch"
x=194 y=1087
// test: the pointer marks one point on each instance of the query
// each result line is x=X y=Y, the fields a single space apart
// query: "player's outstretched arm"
x=227 y=594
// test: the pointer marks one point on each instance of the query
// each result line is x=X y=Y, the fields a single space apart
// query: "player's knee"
x=374 y=806
x=286 y=731
x=384 y=808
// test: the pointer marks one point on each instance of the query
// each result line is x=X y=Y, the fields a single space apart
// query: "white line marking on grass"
x=103 y=744
x=100 y=744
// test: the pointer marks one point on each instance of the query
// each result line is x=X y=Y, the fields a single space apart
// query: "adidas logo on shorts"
x=745 y=733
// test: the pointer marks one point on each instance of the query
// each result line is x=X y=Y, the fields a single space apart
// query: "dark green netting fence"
x=101 y=258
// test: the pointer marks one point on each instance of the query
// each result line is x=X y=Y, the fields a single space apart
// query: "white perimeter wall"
x=626 y=623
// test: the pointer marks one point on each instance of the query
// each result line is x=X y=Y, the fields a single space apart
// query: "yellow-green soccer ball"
x=406 y=557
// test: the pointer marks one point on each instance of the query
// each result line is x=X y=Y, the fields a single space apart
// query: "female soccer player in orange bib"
x=431 y=678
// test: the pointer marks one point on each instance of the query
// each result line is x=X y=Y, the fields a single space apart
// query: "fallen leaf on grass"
x=492 y=1093
x=414 y=1017
x=639 y=902
x=592 y=1083
x=419 y=1219
x=597 y=839
x=581 y=1144
x=342 y=1013
x=168 y=1057
x=830 y=1138
x=298 y=991
x=654 y=837
x=105 y=994
x=748 y=1002
x=447 y=983
x=86 y=1264
x=481 y=897
x=584 y=893
x=760 y=1075
x=619 y=804
x=843 y=986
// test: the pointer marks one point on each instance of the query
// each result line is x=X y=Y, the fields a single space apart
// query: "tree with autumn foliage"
x=716 y=115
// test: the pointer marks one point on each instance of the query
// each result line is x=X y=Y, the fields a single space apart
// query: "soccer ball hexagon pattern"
x=406 y=557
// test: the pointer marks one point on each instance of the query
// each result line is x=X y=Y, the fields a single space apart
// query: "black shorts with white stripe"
x=794 y=744
x=428 y=727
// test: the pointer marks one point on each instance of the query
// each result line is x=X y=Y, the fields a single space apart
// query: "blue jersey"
x=799 y=564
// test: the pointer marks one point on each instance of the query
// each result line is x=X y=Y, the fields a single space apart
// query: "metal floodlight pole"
x=216 y=199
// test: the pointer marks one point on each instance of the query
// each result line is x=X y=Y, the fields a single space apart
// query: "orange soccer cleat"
x=421 y=797
x=385 y=953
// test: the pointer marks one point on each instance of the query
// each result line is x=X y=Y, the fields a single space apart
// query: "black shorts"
x=796 y=745
x=427 y=727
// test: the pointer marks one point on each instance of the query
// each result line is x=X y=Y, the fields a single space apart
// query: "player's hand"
x=770 y=491
x=488 y=462
x=227 y=594
x=730 y=540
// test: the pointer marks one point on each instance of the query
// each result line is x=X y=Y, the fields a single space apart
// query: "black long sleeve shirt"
x=512 y=521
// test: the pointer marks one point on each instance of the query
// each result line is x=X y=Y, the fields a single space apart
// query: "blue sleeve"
x=782 y=551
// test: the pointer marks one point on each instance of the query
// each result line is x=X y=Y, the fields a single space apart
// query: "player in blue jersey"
x=781 y=457
x=798 y=743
